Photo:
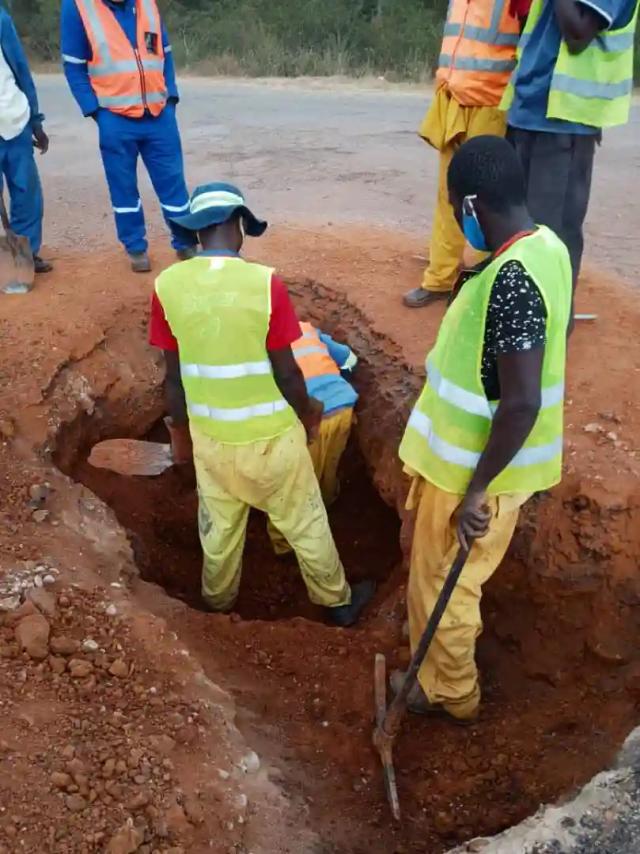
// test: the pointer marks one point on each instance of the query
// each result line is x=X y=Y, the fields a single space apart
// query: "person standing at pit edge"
x=477 y=57
x=574 y=77
x=239 y=406
x=119 y=66
x=487 y=429
x=20 y=130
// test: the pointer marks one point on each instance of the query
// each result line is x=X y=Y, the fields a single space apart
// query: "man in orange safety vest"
x=327 y=367
x=119 y=66
x=477 y=57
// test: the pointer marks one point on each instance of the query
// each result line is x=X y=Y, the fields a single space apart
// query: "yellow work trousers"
x=449 y=675
x=325 y=451
x=446 y=126
x=277 y=477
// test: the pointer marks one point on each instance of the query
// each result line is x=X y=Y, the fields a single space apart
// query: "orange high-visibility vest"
x=312 y=354
x=126 y=80
x=478 y=51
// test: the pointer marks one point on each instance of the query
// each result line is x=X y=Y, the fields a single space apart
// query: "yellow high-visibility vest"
x=218 y=310
x=451 y=422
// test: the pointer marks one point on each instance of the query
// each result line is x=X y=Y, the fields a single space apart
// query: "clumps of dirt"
x=96 y=743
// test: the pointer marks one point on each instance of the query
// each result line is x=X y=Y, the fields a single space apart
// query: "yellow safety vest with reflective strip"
x=451 y=422
x=218 y=310
x=593 y=87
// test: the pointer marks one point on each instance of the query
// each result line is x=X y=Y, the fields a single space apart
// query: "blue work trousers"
x=157 y=142
x=18 y=168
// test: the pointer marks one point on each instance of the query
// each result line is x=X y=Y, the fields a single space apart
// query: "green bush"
x=397 y=38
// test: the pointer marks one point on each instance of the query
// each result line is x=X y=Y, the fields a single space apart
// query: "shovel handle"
x=396 y=710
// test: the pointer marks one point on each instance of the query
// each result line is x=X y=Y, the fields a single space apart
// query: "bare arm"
x=520 y=376
x=578 y=24
x=177 y=422
x=290 y=381
x=174 y=391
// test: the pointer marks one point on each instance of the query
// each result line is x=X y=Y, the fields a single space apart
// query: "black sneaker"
x=140 y=262
x=40 y=265
x=346 y=615
x=186 y=254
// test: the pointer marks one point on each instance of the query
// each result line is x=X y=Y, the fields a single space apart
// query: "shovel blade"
x=131 y=457
x=16 y=264
x=383 y=743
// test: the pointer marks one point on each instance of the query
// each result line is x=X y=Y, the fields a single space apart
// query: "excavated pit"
x=559 y=654
x=160 y=517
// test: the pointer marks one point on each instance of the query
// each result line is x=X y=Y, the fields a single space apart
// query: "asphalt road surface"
x=315 y=153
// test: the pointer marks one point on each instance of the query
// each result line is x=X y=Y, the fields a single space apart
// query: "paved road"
x=312 y=153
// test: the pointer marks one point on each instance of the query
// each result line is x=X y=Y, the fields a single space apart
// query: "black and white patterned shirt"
x=516 y=321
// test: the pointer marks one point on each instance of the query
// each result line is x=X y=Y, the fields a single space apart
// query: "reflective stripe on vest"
x=469 y=459
x=226 y=372
x=242 y=413
x=312 y=354
x=478 y=50
x=219 y=311
x=451 y=421
x=592 y=87
x=477 y=404
x=125 y=80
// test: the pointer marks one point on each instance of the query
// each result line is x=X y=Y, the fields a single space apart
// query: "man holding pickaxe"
x=486 y=431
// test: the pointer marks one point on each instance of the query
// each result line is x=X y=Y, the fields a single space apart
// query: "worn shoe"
x=186 y=254
x=346 y=615
x=140 y=262
x=419 y=297
x=40 y=265
x=418 y=704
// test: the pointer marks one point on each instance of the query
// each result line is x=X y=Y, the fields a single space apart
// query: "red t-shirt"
x=284 y=328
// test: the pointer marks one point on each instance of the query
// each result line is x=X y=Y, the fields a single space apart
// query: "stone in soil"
x=119 y=669
x=63 y=645
x=127 y=840
x=75 y=803
x=79 y=668
x=44 y=600
x=32 y=634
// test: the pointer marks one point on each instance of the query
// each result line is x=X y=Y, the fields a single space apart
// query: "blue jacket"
x=76 y=51
x=334 y=390
x=17 y=61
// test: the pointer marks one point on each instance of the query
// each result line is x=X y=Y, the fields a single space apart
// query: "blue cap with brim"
x=216 y=203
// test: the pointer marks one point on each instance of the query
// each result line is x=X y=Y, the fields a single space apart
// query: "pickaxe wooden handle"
x=388 y=720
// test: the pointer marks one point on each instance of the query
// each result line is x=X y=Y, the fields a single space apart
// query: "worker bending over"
x=574 y=78
x=20 y=131
x=486 y=431
x=234 y=389
x=325 y=366
x=478 y=55
x=119 y=66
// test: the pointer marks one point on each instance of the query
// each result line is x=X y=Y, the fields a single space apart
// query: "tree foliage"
x=398 y=38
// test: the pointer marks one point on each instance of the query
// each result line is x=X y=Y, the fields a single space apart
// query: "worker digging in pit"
x=477 y=57
x=119 y=66
x=21 y=129
x=239 y=406
x=326 y=366
x=574 y=77
x=487 y=429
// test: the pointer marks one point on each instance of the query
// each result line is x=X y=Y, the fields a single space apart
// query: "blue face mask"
x=471 y=227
